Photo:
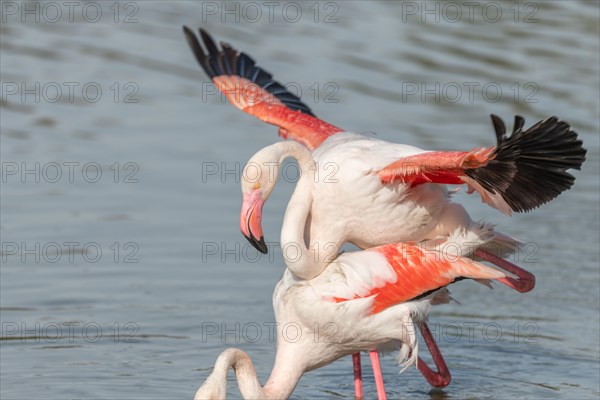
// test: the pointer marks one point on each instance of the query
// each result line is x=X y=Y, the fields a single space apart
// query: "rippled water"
x=138 y=267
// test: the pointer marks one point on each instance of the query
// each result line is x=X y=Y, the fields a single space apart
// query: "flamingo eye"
x=257 y=186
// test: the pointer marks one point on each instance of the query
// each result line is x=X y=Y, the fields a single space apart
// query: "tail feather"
x=529 y=166
x=501 y=245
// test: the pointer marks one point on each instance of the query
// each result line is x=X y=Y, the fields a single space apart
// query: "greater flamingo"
x=366 y=299
x=390 y=202
x=295 y=236
x=371 y=192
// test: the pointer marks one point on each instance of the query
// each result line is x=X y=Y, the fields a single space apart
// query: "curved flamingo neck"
x=298 y=257
x=280 y=385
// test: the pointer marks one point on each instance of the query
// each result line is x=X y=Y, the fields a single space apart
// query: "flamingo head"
x=258 y=181
x=250 y=219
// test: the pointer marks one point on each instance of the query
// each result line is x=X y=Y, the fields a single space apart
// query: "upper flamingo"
x=372 y=192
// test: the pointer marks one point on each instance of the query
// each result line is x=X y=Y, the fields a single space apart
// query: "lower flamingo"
x=370 y=299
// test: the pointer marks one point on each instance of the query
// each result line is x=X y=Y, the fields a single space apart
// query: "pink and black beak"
x=250 y=220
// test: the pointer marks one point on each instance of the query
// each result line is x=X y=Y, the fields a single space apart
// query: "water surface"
x=147 y=316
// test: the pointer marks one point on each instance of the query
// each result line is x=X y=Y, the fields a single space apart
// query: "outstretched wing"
x=524 y=170
x=254 y=91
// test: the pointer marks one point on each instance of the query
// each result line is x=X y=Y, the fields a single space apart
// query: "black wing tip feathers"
x=228 y=61
x=519 y=122
x=530 y=166
x=500 y=128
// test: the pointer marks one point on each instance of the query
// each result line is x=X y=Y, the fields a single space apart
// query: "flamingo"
x=294 y=240
x=397 y=188
x=371 y=192
x=365 y=299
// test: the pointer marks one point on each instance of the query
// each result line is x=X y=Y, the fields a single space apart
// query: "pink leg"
x=438 y=379
x=358 y=388
x=525 y=281
x=378 y=376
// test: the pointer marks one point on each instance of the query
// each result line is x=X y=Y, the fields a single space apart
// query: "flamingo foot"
x=438 y=379
x=377 y=374
x=358 y=387
x=525 y=281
